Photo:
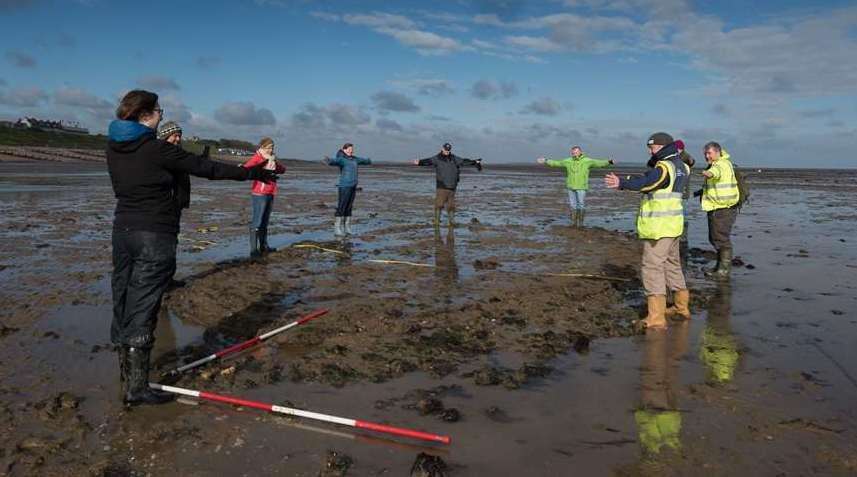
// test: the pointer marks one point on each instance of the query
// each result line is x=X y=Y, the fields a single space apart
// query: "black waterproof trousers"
x=346 y=201
x=143 y=265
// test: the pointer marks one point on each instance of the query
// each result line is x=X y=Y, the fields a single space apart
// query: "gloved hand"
x=259 y=173
x=698 y=193
x=479 y=164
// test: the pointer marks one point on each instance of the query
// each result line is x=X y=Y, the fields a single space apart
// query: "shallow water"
x=784 y=405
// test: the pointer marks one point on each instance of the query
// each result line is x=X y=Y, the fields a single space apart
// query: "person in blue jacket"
x=347 y=186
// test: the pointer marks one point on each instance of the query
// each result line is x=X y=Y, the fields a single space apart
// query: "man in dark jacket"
x=447 y=168
x=144 y=171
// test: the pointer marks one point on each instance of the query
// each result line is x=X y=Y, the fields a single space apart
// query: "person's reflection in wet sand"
x=718 y=347
x=445 y=265
x=658 y=418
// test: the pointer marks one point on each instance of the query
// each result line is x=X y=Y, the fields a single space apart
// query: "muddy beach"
x=481 y=334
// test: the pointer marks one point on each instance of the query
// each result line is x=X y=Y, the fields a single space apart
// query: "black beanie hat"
x=660 y=139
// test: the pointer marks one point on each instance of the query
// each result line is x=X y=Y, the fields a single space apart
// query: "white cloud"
x=20 y=59
x=393 y=101
x=385 y=124
x=811 y=56
x=426 y=43
x=333 y=117
x=426 y=86
x=78 y=99
x=488 y=89
x=26 y=97
x=533 y=43
x=402 y=29
x=158 y=83
x=244 y=113
x=543 y=106
x=380 y=20
x=175 y=109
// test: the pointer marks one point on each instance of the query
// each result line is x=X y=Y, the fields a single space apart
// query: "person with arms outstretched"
x=577 y=179
x=347 y=186
x=660 y=223
x=447 y=168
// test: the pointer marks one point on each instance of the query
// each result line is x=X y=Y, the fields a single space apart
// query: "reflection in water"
x=658 y=419
x=445 y=266
x=719 y=348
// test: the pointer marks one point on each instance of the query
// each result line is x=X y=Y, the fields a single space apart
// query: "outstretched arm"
x=597 y=163
x=177 y=159
x=363 y=161
x=656 y=178
x=253 y=161
x=429 y=161
x=335 y=161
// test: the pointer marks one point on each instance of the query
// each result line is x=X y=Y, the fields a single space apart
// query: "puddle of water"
x=724 y=390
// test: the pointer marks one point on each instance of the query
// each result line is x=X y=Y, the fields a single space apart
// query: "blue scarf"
x=123 y=131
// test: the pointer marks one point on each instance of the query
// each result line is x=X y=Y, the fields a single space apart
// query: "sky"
x=505 y=80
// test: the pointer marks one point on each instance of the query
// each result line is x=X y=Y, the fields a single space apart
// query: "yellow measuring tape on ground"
x=401 y=262
x=587 y=275
x=309 y=245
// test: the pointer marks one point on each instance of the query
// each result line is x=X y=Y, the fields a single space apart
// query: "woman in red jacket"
x=263 y=197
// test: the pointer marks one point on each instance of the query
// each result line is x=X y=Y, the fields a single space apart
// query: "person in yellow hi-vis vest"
x=719 y=349
x=660 y=223
x=657 y=418
x=720 y=196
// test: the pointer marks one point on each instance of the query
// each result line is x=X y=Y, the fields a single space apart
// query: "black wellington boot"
x=263 y=242
x=255 y=250
x=122 y=351
x=137 y=390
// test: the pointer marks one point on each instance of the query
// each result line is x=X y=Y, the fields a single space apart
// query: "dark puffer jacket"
x=448 y=168
x=146 y=172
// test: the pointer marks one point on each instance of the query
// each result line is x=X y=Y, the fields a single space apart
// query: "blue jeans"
x=577 y=199
x=262 y=206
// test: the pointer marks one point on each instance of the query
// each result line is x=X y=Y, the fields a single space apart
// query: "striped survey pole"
x=371 y=426
x=244 y=345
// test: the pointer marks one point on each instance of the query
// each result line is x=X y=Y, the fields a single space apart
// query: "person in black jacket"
x=447 y=168
x=144 y=172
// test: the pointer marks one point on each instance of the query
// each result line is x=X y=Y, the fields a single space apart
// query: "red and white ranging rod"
x=246 y=344
x=397 y=431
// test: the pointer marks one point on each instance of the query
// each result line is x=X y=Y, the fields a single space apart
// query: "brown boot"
x=655 y=319
x=681 y=308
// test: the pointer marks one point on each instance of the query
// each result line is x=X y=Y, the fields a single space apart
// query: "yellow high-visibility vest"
x=720 y=192
x=719 y=352
x=662 y=211
x=658 y=429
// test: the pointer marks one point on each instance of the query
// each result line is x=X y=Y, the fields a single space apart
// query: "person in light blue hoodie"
x=347 y=186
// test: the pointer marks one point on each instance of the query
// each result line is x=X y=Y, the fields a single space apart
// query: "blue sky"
x=506 y=80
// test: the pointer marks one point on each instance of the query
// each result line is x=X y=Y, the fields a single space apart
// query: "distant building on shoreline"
x=51 y=126
x=234 y=152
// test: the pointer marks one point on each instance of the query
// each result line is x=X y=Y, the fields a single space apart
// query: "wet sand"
x=529 y=373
